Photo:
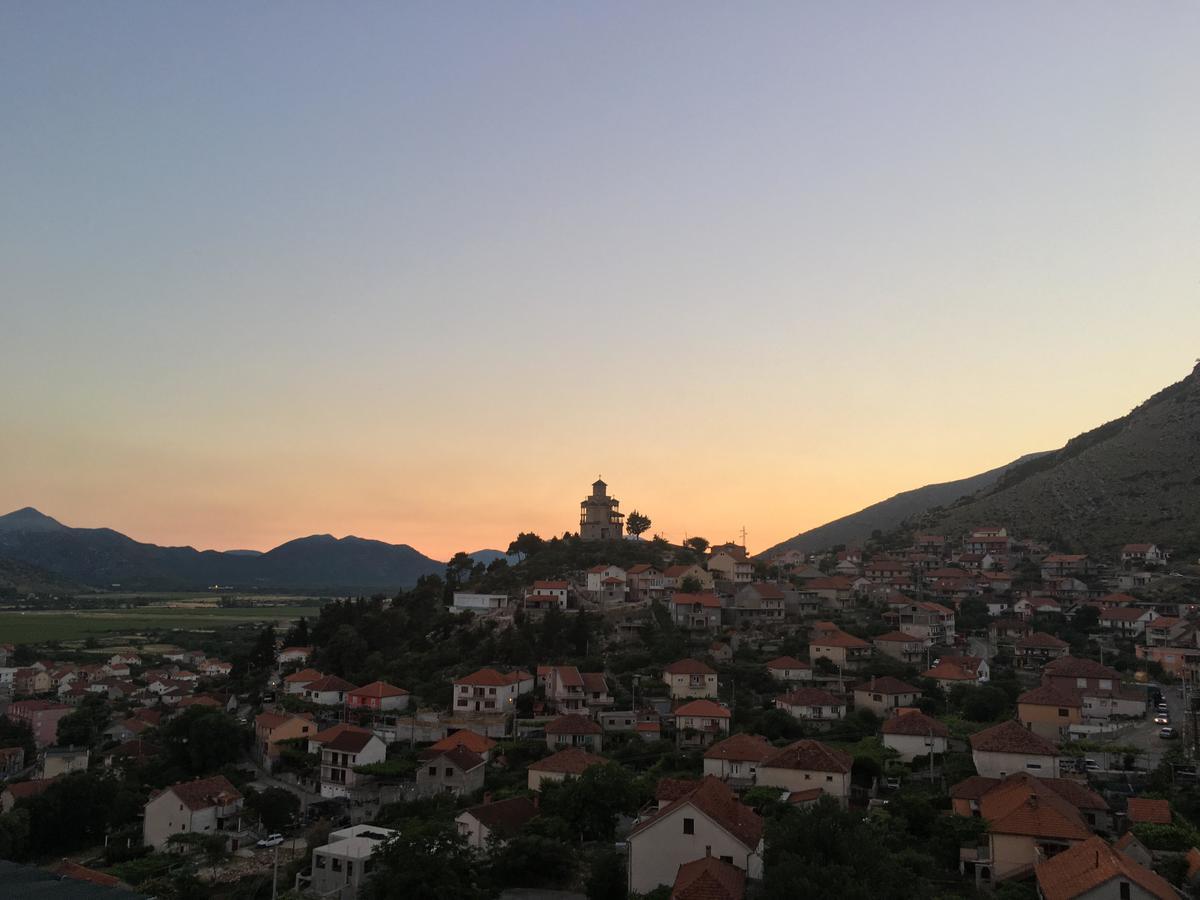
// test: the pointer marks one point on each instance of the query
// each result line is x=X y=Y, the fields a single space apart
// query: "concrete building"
x=458 y=771
x=808 y=765
x=689 y=678
x=499 y=819
x=913 y=734
x=341 y=866
x=42 y=717
x=1010 y=748
x=478 y=603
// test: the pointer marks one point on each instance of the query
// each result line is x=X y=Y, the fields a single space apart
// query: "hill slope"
x=890 y=513
x=102 y=557
x=1134 y=479
x=17 y=579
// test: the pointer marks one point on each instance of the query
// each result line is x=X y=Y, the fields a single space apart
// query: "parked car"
x=1090 y=765
x=892 y=783
x=1162 y=719
x=271 y=840
x=1168 y=734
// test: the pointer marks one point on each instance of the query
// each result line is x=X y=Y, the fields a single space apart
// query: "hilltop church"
x=599 y=519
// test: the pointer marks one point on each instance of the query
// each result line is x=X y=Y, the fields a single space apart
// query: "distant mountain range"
x=102 y=558
x=890 y=514
x=1132 y=480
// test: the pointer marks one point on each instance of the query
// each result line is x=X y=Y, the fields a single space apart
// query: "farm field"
x=71 y=625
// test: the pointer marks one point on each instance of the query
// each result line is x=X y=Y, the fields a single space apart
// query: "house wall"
x=910 y=745
x=474 y=831
x=656 y=853
x=1046 y=721
x=457 y=782
x=683 y=686
x=730 y=768
x=883 y=704
x=833 y=783
x=998 y=765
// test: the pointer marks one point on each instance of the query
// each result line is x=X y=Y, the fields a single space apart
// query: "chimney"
x=1097 y=859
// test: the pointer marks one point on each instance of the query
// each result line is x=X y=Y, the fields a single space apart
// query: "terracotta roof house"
x=701 y=722
x=489 y=691
x=565 y=763
x=845 y=651
x=328 y=691
x=788 y=668
x=502 y=818
x=20 y=790
x=812 y=705
x=899 y=645
x=949 y=674
x=690 y=678
x=885 y=694
x=709 y=816
x=709 y=878
x=378 y=696
x=294 y=683
x=1036 y=649
x=1094 y=869
x=210 y=805
x=914 y=734
x=574 y=731
x=1010 y=748
x=806 y=765
x=476 y=743
x=457 y=771
x=736 y=758
x=1145 y=810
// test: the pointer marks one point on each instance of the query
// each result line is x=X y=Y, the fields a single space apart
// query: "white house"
x=328 y=691
x=690 y=678
x=203 y=806
x=812 y=704
x=489 y=691
x=808 y=765
x=1009 y=747
x=478 y=603
x=340 y=756
x=915 y=734
x=737 y=757
x=501 y=818
x=708 y=820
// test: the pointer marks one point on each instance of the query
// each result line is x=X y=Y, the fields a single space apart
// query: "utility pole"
x=275 y=875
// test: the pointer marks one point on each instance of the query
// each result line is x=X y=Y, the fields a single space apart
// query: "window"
x=320 y=861
x=829 y=778
x=433 y=771
x=449 y=772
x=1124 y=890
x=1063 y=712
x=727 y=859
x=689 y=826
x=337 y=864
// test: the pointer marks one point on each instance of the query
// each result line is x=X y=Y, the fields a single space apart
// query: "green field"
x=72 y=625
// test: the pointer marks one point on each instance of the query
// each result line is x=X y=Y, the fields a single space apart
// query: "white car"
x=1162 y=719
x=271 y=840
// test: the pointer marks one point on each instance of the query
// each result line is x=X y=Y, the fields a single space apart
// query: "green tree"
x=526 y=545
x=591 y=803
x=537 y=856
x=690 y=585
x=427 y=859
x=637 y=524
x=275 y=807
x=698 y=544
x=82 y=728
x=202 y=739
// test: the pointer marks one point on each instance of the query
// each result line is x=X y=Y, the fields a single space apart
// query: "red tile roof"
x=304 y=676
x=714 y=798
x=492 y=678
x=1039 y=640
x=329 y=683
x=460 y=757
x=838 y=639
x=703 y=708
x=1048 y=695
x=709 y=878
x=594 y=682
x=788 y=662
x=476 y=743
x=350 y=742
x=689 y=667
x=505 y=817
x=898 y=637
x=379 y=689
x=203 y=793
x=1145 y=809
x=1081 y=869
x=1076 y=667
x=706 y=599
x=742 y=748
x=886 y=684
x=1012 y=737
x=812 y=756
x=571 y=761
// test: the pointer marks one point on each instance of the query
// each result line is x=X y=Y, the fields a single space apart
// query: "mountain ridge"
x=102 y=557
x=890 y=513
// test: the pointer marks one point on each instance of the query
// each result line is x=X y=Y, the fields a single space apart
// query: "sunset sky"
x=420 y=272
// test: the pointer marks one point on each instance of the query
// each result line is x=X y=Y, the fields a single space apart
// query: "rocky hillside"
x=1134 y=479
x=890 y=514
